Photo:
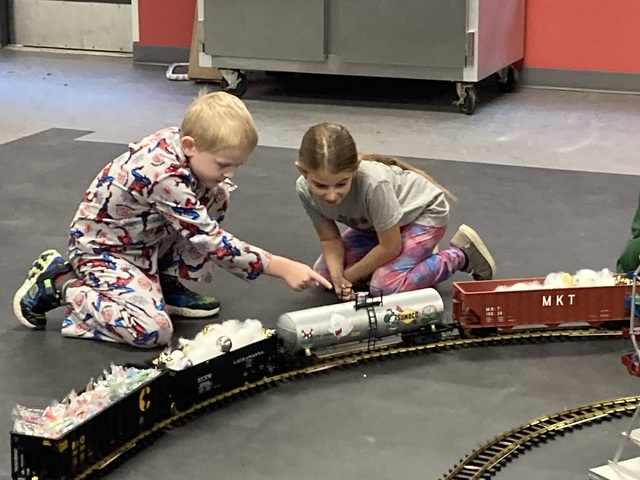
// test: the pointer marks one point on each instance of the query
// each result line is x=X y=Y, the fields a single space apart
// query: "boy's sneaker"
x=38 y=294
x=480 y=263
x=184 y=302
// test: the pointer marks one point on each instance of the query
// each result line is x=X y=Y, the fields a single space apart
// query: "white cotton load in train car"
x=582 y=278
x=588 y=278
x=214 y=340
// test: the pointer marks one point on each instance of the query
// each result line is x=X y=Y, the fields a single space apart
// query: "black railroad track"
x=345 y=360
x=487 y=460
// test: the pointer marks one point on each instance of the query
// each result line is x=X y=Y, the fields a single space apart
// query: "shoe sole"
x=190 y=312
x=482 y=248
x=44 y=260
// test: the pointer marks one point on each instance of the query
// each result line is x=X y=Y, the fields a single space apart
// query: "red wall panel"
x=583 y=35
x=166 y=23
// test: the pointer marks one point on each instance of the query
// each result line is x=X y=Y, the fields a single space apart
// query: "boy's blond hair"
x=218 y=121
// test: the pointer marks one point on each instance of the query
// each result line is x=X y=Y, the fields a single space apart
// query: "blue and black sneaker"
x=184 y=302
x=38 y=294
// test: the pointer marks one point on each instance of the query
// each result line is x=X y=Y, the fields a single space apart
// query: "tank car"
x=366 y=319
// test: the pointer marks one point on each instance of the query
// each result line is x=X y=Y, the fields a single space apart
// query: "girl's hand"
x=343 y=288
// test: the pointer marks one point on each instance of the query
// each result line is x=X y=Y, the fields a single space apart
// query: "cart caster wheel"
x=507 y=80
x=239 y=90
x=468 y=105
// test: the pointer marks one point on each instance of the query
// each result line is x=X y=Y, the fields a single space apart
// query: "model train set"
x=135 y=400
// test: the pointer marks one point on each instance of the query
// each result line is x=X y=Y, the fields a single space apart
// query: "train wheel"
x=420 y=338
x=614 y=325
x=295 y=362
x=483 y=332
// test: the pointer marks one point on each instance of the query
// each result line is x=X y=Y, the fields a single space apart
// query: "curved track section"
x=485 y=461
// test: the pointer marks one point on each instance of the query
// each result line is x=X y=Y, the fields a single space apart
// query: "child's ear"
x=301 y=169
x=188 y=145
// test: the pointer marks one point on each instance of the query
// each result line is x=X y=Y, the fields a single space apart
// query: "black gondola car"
x=220 y=374
x=93 y=440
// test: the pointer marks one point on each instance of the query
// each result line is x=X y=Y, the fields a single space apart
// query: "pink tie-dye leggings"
x=416 y=267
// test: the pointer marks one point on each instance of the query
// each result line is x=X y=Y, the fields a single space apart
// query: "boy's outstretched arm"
x=297 y=275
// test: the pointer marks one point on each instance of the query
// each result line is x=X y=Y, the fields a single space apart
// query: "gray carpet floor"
x=407 y=418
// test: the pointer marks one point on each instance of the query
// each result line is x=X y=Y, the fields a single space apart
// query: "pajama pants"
x=416 y=267
x=118 y=297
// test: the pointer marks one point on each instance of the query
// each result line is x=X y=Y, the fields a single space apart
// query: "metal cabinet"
x=462 y=41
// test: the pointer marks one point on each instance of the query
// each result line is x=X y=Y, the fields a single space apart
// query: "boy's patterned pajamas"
x=145 y=214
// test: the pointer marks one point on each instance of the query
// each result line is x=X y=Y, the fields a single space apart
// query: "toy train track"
x=336 y=361
x=485 y=461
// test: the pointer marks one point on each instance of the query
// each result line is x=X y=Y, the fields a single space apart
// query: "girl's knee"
x=384 y=288
x=388 y=285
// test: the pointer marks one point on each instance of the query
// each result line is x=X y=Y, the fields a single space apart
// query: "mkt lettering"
x=558 y=300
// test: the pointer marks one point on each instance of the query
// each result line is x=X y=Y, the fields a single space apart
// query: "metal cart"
x=463 y=41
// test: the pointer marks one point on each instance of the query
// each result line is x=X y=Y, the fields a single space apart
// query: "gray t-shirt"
x=380 y=197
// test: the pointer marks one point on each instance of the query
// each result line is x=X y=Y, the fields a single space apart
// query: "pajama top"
x=148 y=195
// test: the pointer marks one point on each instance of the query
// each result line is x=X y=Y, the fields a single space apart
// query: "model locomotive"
x=189 y=376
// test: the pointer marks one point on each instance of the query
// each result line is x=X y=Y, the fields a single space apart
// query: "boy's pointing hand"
x=297 y=275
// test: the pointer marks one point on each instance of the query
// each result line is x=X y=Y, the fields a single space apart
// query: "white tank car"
x=365 y=318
